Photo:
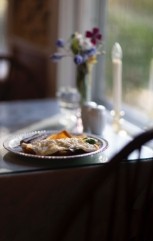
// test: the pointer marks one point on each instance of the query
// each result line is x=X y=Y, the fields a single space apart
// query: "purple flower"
x=78 y=59
x=94 y=35
x=60 y=43
x=91 y=52
x=56 y=57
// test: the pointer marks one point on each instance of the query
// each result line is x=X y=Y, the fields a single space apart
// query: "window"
x=130 y=24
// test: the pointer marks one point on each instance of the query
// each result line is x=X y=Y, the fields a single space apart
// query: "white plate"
x=12 y=144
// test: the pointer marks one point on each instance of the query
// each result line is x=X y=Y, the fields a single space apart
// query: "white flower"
x=86 y=44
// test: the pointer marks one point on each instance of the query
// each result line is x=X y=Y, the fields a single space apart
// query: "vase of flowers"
x=84 y=49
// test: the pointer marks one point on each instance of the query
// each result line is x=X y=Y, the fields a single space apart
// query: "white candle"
x=151 y=76
x=150 y=90
x=117 y=77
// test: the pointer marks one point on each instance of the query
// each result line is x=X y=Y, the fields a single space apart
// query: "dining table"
x=24 y=116
x=36 y=193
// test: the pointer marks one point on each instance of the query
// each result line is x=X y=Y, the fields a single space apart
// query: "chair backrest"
x=17 y=81
x=113 y=201
x=117 y=199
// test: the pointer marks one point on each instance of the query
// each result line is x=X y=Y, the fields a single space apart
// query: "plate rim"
x=20 y=136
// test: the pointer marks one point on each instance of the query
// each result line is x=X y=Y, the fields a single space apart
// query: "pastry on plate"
x=60 y=143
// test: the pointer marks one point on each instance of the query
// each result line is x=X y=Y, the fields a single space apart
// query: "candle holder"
x=117 y=120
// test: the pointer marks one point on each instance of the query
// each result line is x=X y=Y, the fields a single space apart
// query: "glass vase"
x=84 y=82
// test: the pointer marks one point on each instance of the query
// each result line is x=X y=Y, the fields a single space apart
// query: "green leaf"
x=75 y=45
x=90 y=140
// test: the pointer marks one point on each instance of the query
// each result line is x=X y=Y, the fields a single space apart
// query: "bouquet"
x=84 y=50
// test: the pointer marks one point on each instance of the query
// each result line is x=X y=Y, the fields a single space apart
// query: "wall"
x=32 y=31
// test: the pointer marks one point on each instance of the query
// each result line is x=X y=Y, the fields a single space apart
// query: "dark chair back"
x=117 y=199
x=17 y=81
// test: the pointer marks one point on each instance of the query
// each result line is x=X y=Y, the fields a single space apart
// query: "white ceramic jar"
x=93 y=118
x=85 y=114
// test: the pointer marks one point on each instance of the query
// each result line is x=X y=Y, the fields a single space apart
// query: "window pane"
x=130 y=24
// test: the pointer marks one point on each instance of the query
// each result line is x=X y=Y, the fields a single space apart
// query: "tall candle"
x=151 y=75
x=117 y=78
x=150 y=90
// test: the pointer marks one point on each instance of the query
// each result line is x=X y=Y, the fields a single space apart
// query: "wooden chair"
x=117 y=199
x=112 y=201
x=17 y=81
